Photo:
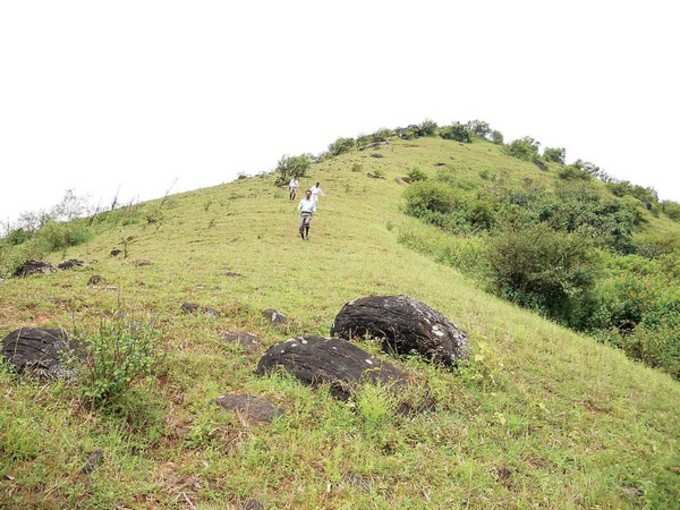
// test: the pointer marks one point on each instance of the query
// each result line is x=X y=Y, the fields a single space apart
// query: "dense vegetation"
x=566 y=247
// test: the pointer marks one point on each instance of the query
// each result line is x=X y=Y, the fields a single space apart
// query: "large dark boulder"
x=38 y=351
x=316 y=360
x=33 y=267
x=405 y=325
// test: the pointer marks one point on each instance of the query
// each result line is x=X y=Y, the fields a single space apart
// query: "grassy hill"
x=541 y=417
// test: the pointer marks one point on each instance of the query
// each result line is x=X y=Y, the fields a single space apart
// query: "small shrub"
x=118 y=354
x=408 y=133
x=154 y=216
x=18 y=236
x=291 y=166
x=341 y=145
x=524 y=148
x=58 y=236
x=555 y=154
x=671 y=209
x=648 y=196
x=457 y=132
x=427 y=128
x=416 y=174
x=356 y=167
x=426 y=197
x=381 y=135
x=497 y=137
x=572 y=172
x=479 y=128
x=487 y=175
x=376 y=407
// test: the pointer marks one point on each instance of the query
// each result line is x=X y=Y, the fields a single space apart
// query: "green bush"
x=427 y=128
x=407 y=133
x=381 y=135
x=341 y=145
x=427 y=197
x=647 y=196
x=118 y=354
x=416 y=174
x=291 y=166
x=457 y=132
x=524 y=148
x=572 y=172
x=18 y=236
x=479 y=128
x=497 y=137
x=555 y=154
x=540 y=268
x=671 y=209
x=58 y=236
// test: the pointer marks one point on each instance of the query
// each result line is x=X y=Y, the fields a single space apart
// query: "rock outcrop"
x=33 y=267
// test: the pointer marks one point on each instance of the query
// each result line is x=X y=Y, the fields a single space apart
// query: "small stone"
x=95 y=280
x=196 y=308
x=253 y=409
x=70 y=264
x=247 y=341
x=116 y=251
x=275 y=317
x=142 y=262
x=251 y=504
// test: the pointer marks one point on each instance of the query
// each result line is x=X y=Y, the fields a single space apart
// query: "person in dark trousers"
x=306 y=208
x=293 y=186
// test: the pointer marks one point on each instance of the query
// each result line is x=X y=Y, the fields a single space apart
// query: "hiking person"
x=293 y=186
x=316 y=191
x=307 y=207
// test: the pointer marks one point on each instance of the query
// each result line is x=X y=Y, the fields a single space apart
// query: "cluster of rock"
x=31 y=267
x=402 y=324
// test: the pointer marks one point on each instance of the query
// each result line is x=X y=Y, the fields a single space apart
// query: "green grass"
x=540 y=418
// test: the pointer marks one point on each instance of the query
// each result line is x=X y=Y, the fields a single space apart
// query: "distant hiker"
x=293 y=186
x=316 y=191
x=307 y=208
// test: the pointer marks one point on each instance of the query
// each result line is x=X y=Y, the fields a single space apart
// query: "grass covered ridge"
x=540 y=418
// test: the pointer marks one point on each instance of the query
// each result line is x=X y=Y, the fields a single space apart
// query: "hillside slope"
x=542 y=417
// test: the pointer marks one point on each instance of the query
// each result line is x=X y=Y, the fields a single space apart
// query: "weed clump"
x=119 y=353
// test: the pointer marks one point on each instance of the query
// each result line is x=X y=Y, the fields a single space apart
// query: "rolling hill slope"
x=540 y=418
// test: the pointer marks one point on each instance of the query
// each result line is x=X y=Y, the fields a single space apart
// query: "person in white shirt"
x=307 y=208
x=293 y=186
x=316 y=191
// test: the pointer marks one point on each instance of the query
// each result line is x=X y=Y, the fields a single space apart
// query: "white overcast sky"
x=131 y=95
